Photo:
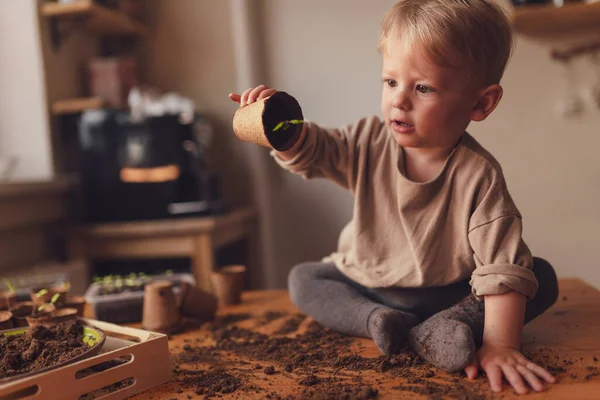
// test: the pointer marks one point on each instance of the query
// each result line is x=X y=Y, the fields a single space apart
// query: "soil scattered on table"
x=321 y=362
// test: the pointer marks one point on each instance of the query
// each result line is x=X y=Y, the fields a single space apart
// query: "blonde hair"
x=478 y=31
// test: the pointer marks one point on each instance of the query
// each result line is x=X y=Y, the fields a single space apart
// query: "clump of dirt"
x=40 y=347
x=270 y=370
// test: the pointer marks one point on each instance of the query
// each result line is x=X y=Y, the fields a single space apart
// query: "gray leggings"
x=336 y=302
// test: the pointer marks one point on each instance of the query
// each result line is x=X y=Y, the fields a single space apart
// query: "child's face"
x=424 y=105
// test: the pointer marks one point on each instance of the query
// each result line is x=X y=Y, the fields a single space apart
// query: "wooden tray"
x=131 y=361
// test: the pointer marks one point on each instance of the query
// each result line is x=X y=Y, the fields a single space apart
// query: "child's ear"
x=487 y=101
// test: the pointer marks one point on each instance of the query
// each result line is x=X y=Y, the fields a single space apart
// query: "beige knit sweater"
x=461 y=225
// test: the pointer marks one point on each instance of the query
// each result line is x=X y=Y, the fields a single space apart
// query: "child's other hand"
x=508 y=362
x=251 y=95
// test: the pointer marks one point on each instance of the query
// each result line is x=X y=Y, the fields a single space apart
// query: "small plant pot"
x=197 y=303
x=53 y=317
x=7 y=300
x=76 y=302
x=160 y=307
x=228 y=282
x=5 y=320
x=45 y=298
x=255 y=122
x=20 y=312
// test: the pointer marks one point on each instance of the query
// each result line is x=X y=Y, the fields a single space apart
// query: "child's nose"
x=402 y=101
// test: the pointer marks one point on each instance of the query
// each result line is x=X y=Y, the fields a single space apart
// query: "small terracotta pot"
x=160 y=307
x=20 y=312
x=54 y=317
x=76 y=302
x=45 y=298
x=7 y=299
x=255 y=122
x=196 y=303
x=5 y=320
x=228 y=283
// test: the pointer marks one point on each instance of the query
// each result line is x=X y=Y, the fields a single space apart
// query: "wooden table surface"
x=569 y=332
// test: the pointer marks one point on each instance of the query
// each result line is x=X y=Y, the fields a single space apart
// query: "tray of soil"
x=120 y=299
x=30 y=351
x=130 y=361
x=274 y=122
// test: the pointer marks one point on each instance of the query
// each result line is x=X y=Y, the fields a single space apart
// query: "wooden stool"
x=197 y=238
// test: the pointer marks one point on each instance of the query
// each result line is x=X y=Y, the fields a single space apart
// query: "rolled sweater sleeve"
x=331 y=153
x=503 y=260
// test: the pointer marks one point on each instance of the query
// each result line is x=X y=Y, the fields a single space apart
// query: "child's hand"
x=507 y=362
x=251 y=95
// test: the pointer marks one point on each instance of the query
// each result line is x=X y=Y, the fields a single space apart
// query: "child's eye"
x=391 y=83
x=424 y=89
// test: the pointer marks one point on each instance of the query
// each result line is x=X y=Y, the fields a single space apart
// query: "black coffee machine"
x=144 y=170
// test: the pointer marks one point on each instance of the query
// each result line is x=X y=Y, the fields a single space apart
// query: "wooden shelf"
x=547 y=20
x=100 y=19
x=74 y=106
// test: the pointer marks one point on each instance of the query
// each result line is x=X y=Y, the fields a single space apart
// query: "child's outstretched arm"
x=335 y=154
x=500 y=355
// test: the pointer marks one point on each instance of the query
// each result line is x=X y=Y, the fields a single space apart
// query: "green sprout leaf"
x=9 y=285
x=41 y=293
x=41 y=307
x=54 y=298
x=286 y=124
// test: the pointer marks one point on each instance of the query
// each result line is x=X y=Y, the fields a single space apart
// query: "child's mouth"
x=402 y=127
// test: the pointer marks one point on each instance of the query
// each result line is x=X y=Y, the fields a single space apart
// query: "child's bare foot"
x=389 y=328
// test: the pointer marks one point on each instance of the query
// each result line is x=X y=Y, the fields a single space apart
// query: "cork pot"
x=160 y=307
x=20 y=312
x=255 y=122
x=196 y=303
x=228 y=283
x=5 y=320
x=7 y=299
x=50 y=318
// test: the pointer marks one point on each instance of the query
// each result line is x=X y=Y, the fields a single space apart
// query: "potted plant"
x=8 y=298
x=47 y=314
x=42 y=295
x=275 y=122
